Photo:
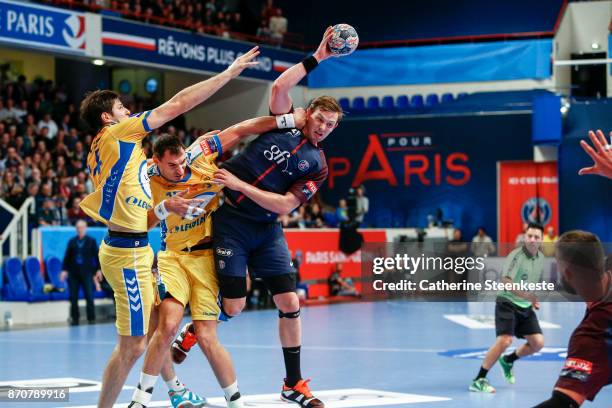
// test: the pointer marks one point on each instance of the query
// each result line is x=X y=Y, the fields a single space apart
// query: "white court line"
x=486 y=321
x=345 y=398
x=244 y=346
x=76 y=385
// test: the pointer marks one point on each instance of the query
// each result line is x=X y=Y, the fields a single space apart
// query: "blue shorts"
x=239 y=242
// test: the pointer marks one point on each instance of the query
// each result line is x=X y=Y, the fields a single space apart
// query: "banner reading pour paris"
x=413 y=166
x=528 y=192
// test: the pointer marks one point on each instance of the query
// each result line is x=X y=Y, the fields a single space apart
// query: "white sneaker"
x=237 y=403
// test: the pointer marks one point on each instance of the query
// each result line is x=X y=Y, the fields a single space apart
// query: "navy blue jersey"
x=280 y=161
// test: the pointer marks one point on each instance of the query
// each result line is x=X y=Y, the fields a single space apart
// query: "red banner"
x=528 y=192
x=319 y=254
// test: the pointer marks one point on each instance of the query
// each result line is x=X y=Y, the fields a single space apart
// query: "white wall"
x=238 y=100
x=583 y=24
x=562 y=50
x=590 y=21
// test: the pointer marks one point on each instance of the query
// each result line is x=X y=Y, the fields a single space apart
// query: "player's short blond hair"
x=327 y=104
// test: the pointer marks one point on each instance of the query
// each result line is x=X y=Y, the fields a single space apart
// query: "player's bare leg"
x=219 y=360
x=157 y=359
x=480 y=383
x=502 y=342
x=128 y=350
x=535 y=342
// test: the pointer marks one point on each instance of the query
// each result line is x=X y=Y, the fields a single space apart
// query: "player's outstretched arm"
x=276 y=203
x=280 y=100
x=601 y=155
x=194 y=95
x=256 y=126
x=233 y=134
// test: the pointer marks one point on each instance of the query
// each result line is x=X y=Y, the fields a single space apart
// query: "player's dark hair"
x=582 y=251
x=609 y=263
x=165 y=143
x=327 y=104
x=535 y=225
x=94 y=105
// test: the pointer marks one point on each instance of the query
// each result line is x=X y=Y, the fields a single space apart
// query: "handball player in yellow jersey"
x=122 y=199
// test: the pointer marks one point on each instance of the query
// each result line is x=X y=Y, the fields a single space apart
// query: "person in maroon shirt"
x=587 y=369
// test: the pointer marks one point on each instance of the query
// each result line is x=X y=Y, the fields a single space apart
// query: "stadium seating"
x=387 y=103
x=373 y=103
x=15 y=288
x=416 y=101
x=358 y=104
x=432 y=100
x=434 y=104
x=344 y=104
x=447 y=97
x=35 y=279
x=53 y=267
x=402 y=102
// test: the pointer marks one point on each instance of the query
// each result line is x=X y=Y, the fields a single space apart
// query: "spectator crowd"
x=43 y=154
x=215 y=17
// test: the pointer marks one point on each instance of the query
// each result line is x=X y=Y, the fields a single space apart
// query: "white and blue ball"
x=344 y=39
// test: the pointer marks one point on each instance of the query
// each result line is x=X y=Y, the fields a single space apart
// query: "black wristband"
x=310 y=63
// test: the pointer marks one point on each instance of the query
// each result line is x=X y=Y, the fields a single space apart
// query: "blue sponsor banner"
x=546 y=354
x=491 y=61
x=413 y=166
x=42 y=27
x=54 y=240
x=180 y=49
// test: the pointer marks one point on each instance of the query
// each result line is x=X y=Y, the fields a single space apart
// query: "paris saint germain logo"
x=303 y=165
x=536 y=210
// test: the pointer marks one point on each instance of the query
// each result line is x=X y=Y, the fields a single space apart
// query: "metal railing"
x=16 y=232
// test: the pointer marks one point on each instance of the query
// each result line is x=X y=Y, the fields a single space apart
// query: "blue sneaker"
x=186 y=399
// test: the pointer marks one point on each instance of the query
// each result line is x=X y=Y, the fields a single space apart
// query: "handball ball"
x=344 y=39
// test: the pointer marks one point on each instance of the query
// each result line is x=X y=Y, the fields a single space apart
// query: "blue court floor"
x=395 y=354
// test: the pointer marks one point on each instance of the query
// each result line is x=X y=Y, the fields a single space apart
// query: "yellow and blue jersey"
x=178 y=233
x=118 y=168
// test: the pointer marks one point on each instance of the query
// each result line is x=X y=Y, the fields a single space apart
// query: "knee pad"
x=289 y=315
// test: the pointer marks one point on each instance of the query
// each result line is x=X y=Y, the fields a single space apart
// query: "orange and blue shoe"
x=300 y=394
x=183 y=343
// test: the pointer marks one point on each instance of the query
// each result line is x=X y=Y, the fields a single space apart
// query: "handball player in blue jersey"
x=276 y=173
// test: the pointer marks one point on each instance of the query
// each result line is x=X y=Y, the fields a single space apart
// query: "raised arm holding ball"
x=337 y=41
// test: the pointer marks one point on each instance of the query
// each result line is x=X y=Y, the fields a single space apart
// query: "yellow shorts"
x=128 y=271
x=190 y=277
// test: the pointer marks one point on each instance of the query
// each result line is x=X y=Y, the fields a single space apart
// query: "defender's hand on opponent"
x=188 y=208
x=601 y=155
x=222 y=176
x=243 y=62
x=323 y=52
